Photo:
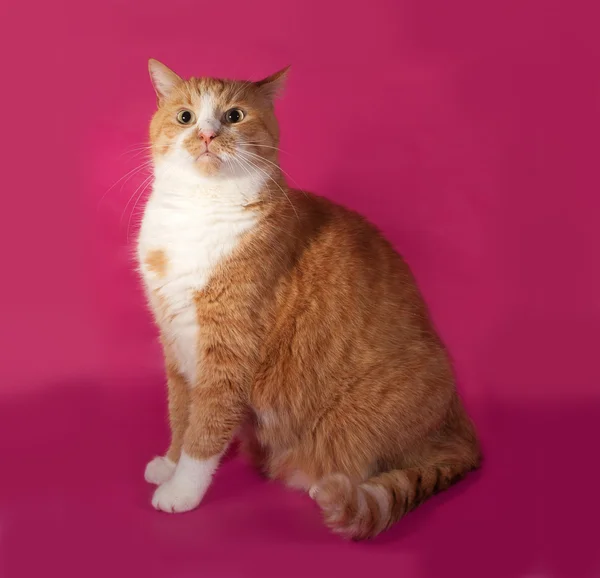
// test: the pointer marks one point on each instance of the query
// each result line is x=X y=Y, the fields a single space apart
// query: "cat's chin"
x=208 y=165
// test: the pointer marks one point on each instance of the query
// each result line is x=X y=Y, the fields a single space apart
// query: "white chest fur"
x=192 y=228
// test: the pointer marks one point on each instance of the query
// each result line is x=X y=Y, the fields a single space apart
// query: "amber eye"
x=234 y=115
x=185 y=117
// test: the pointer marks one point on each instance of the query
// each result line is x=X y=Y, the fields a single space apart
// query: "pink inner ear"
x=163 y=78
x=273 y=85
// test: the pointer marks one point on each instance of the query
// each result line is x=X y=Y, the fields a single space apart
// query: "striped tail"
x=362 y=511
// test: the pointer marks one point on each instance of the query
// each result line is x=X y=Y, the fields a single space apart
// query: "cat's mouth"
x=207 y=155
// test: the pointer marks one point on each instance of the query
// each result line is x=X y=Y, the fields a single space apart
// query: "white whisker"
x=275 y=165
x=144 y=189
x=140 y=186
x=275 y=182
x=126 y=176
x=257 y=144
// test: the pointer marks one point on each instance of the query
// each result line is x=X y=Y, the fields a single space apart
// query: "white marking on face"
x=207 y=114
x=185 y=490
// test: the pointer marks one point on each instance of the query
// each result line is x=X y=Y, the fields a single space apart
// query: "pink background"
x=466 y=129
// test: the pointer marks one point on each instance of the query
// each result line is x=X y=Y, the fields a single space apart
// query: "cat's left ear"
x=273 y=85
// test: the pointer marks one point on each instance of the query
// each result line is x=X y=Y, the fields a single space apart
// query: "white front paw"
x=177 y=495
x=159 y=470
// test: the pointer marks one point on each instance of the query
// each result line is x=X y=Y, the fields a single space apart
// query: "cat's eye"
x=234 y=115
x=185 y=117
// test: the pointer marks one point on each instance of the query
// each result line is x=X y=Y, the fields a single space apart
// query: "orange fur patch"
x=157 y=262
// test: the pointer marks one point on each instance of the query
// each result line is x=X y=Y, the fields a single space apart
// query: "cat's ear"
x=272 y=86
x=163 y=78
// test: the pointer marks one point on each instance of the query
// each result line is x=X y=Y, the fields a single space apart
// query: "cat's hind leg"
x=251 y=447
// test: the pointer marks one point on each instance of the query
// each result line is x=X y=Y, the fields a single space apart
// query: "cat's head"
x=214 y=128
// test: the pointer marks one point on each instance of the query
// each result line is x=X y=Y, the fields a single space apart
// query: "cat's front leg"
x=215 y=412
x=161 y=468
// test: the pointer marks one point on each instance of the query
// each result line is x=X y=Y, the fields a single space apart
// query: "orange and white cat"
x=286 y=320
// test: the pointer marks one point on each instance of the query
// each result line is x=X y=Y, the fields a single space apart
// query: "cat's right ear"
x=163 y=79
x=272 y=86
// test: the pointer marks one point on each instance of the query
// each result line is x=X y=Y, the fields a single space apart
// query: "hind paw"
x=159 y=470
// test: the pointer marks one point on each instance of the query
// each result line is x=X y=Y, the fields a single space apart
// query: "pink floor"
x=468 y=130
x=74 y=502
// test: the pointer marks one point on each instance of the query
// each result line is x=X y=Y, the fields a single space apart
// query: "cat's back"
x=351 y=311
x=348 y=285
x=347 y=252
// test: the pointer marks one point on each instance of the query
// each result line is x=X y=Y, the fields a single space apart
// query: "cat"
x=287 y=321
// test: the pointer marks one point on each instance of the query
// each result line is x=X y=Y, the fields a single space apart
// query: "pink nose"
x=207 y=135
